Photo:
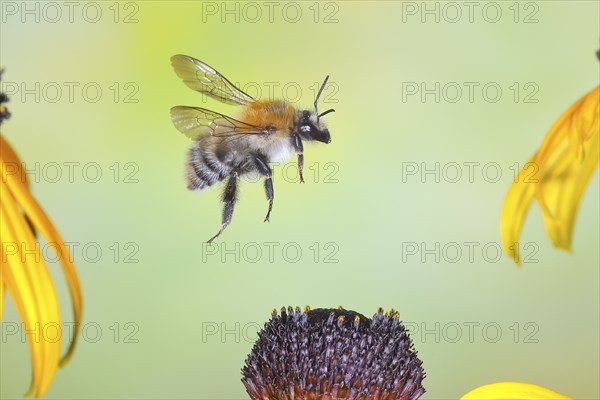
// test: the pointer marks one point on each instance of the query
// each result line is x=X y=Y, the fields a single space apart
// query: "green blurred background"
x=167 y=317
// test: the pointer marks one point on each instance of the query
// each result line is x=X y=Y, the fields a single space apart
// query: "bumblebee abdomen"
x=204 y=170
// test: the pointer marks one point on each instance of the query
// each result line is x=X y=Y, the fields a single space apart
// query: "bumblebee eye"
x=305 y=128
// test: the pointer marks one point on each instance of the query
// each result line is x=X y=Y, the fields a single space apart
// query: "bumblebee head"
x=310 y=125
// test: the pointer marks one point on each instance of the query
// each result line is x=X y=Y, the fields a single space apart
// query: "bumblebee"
x=227 y=148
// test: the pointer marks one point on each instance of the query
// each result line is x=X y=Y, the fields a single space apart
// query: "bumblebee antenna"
x=325 y=113
x=319 y=95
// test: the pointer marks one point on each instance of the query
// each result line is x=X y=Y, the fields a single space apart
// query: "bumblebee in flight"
x=225 y=148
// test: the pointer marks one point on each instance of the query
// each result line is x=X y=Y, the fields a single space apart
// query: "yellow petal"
x=585 y=121
x=569 y=132
x=25 y=275
x=514 y=209
x=556 y=176
x=18 y=186
x=564 y=185
x=513 y=391
x=11 y=164
x=20 y=278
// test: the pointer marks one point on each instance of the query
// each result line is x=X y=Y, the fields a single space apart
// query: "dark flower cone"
x=327 y=354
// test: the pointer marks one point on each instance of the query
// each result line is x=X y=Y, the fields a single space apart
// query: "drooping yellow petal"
x=556 y=176
x=585 y=121
x=17 y=273
x=575 y=126
x=31 y=263
x=564 y=185
x=513 y=391
x=41 y=222
x=515 y=207
x=24 y=273
x=11 y=164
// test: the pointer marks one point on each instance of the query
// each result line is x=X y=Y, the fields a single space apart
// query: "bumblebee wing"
x=203 y=78
x=196 y=121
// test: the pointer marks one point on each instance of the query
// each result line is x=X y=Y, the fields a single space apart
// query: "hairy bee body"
x=225 y=148
x=211 y=159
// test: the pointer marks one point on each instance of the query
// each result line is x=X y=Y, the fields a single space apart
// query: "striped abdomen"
x=204 y=169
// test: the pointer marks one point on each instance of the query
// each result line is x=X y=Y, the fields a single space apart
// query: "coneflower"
x=332 y=354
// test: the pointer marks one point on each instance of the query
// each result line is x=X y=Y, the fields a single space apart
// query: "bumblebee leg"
x=229 y=199
x=301 y=166
x=297 y=142
x=269 y=192
x=261 y=164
